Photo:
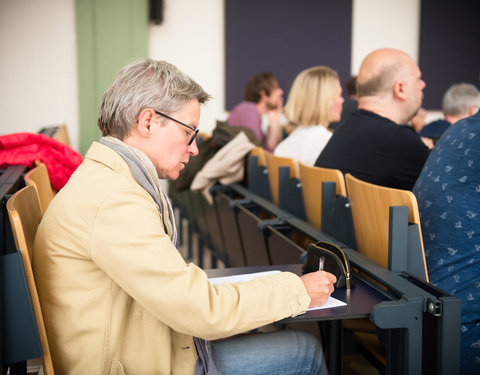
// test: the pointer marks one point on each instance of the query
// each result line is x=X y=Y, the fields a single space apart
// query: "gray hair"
x=459 y=97
x=145 y=83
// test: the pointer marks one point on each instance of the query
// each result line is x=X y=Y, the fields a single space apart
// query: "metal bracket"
x=239 y=202
x=277 y=223
x=404 y=354
x=434 y=307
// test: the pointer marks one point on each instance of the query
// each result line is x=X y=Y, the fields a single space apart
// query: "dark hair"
x=352 y=85
x=259 y=82
x=379 y=83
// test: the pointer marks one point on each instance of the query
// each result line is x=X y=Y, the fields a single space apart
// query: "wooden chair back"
x=312 y=179
x=259 y=152
x=273 y=164
x=38 y=177
x=370 y=205
x=257 y=173
x=25 y=215
x=61 y=135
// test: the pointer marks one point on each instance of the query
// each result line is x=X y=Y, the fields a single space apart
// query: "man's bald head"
x=380 y=69
x=390 y=84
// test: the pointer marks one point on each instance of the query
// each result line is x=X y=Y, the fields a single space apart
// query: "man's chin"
x=173 y=175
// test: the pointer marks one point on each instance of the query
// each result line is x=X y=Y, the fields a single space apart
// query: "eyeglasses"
x=195 y=131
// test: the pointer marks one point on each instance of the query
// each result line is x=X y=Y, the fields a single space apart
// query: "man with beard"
x=374 y=144
x=262 y=95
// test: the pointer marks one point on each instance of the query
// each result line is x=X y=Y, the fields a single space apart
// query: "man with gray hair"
x=460 y=101
x=117 y=296
x=374 y=144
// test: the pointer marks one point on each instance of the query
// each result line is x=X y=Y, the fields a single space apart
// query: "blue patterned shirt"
x=448 y=194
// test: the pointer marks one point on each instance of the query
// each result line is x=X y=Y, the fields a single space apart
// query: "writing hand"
x=319 y=286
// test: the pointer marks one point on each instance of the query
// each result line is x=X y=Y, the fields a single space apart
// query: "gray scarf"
x=144 y=172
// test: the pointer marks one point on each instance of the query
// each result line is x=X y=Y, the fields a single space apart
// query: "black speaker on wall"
x=156 y=11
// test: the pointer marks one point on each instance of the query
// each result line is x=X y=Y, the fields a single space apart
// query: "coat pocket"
x=116 y=369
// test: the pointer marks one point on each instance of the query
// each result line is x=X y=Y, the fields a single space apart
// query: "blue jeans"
x=281 y=353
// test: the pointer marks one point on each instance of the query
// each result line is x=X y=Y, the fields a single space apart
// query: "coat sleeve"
x=130 y=245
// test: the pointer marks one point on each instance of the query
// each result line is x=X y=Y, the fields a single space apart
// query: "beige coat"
x=116 y=294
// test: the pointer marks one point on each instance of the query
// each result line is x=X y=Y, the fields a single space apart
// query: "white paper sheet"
x=331 y=302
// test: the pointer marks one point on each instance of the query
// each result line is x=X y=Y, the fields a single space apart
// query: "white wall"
x=38 y=79
x=384 y=23
x=192 y=38
x=38 y=71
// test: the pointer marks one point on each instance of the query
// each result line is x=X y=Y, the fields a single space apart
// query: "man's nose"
x=193 y=148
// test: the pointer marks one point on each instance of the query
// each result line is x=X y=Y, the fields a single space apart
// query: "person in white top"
x=315 y=100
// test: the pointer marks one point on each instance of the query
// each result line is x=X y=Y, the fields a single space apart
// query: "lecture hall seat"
x=285 y=188
x=312 y=178
x=273 y=164
x=257 y=173
x=370 y=205
x=38 y=177
x=25 y=215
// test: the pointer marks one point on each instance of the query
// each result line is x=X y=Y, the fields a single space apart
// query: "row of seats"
x=25 y=208
x=358 y=208
x=376 y=217
x=25 y=216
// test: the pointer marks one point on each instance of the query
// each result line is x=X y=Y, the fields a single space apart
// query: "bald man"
x=374 y=144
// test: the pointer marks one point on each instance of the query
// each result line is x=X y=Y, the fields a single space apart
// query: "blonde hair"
x=311 y=96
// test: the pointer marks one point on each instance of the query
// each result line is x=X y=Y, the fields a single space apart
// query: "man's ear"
x=263 y=95
x=472 y=110
x=145 y=121
x=400 y=90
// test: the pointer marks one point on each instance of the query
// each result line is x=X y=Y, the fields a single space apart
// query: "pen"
x=321 y=260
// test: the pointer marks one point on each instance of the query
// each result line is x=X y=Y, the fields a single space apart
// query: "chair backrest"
x=39 y=178
x=25 y=215
x=282 y=249
x=61 y=135
x=253 y=241
x=229 y=228
x=273 y=164
x=257 y=173
x=370 y=205
x=259 y=152
x=312 y=179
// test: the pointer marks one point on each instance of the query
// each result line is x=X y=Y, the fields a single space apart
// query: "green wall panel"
x=110 y=33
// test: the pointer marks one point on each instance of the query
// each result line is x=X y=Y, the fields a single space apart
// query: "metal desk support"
x=404 y=313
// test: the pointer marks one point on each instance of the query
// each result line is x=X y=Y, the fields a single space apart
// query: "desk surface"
x=360 y=299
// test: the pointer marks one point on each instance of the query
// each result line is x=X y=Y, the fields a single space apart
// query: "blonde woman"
x=315 y=100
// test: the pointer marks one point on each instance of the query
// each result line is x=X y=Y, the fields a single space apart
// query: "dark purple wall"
x=284 y=37
x=449 y=46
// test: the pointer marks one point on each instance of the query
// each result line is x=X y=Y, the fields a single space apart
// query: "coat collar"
x=105 y=155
